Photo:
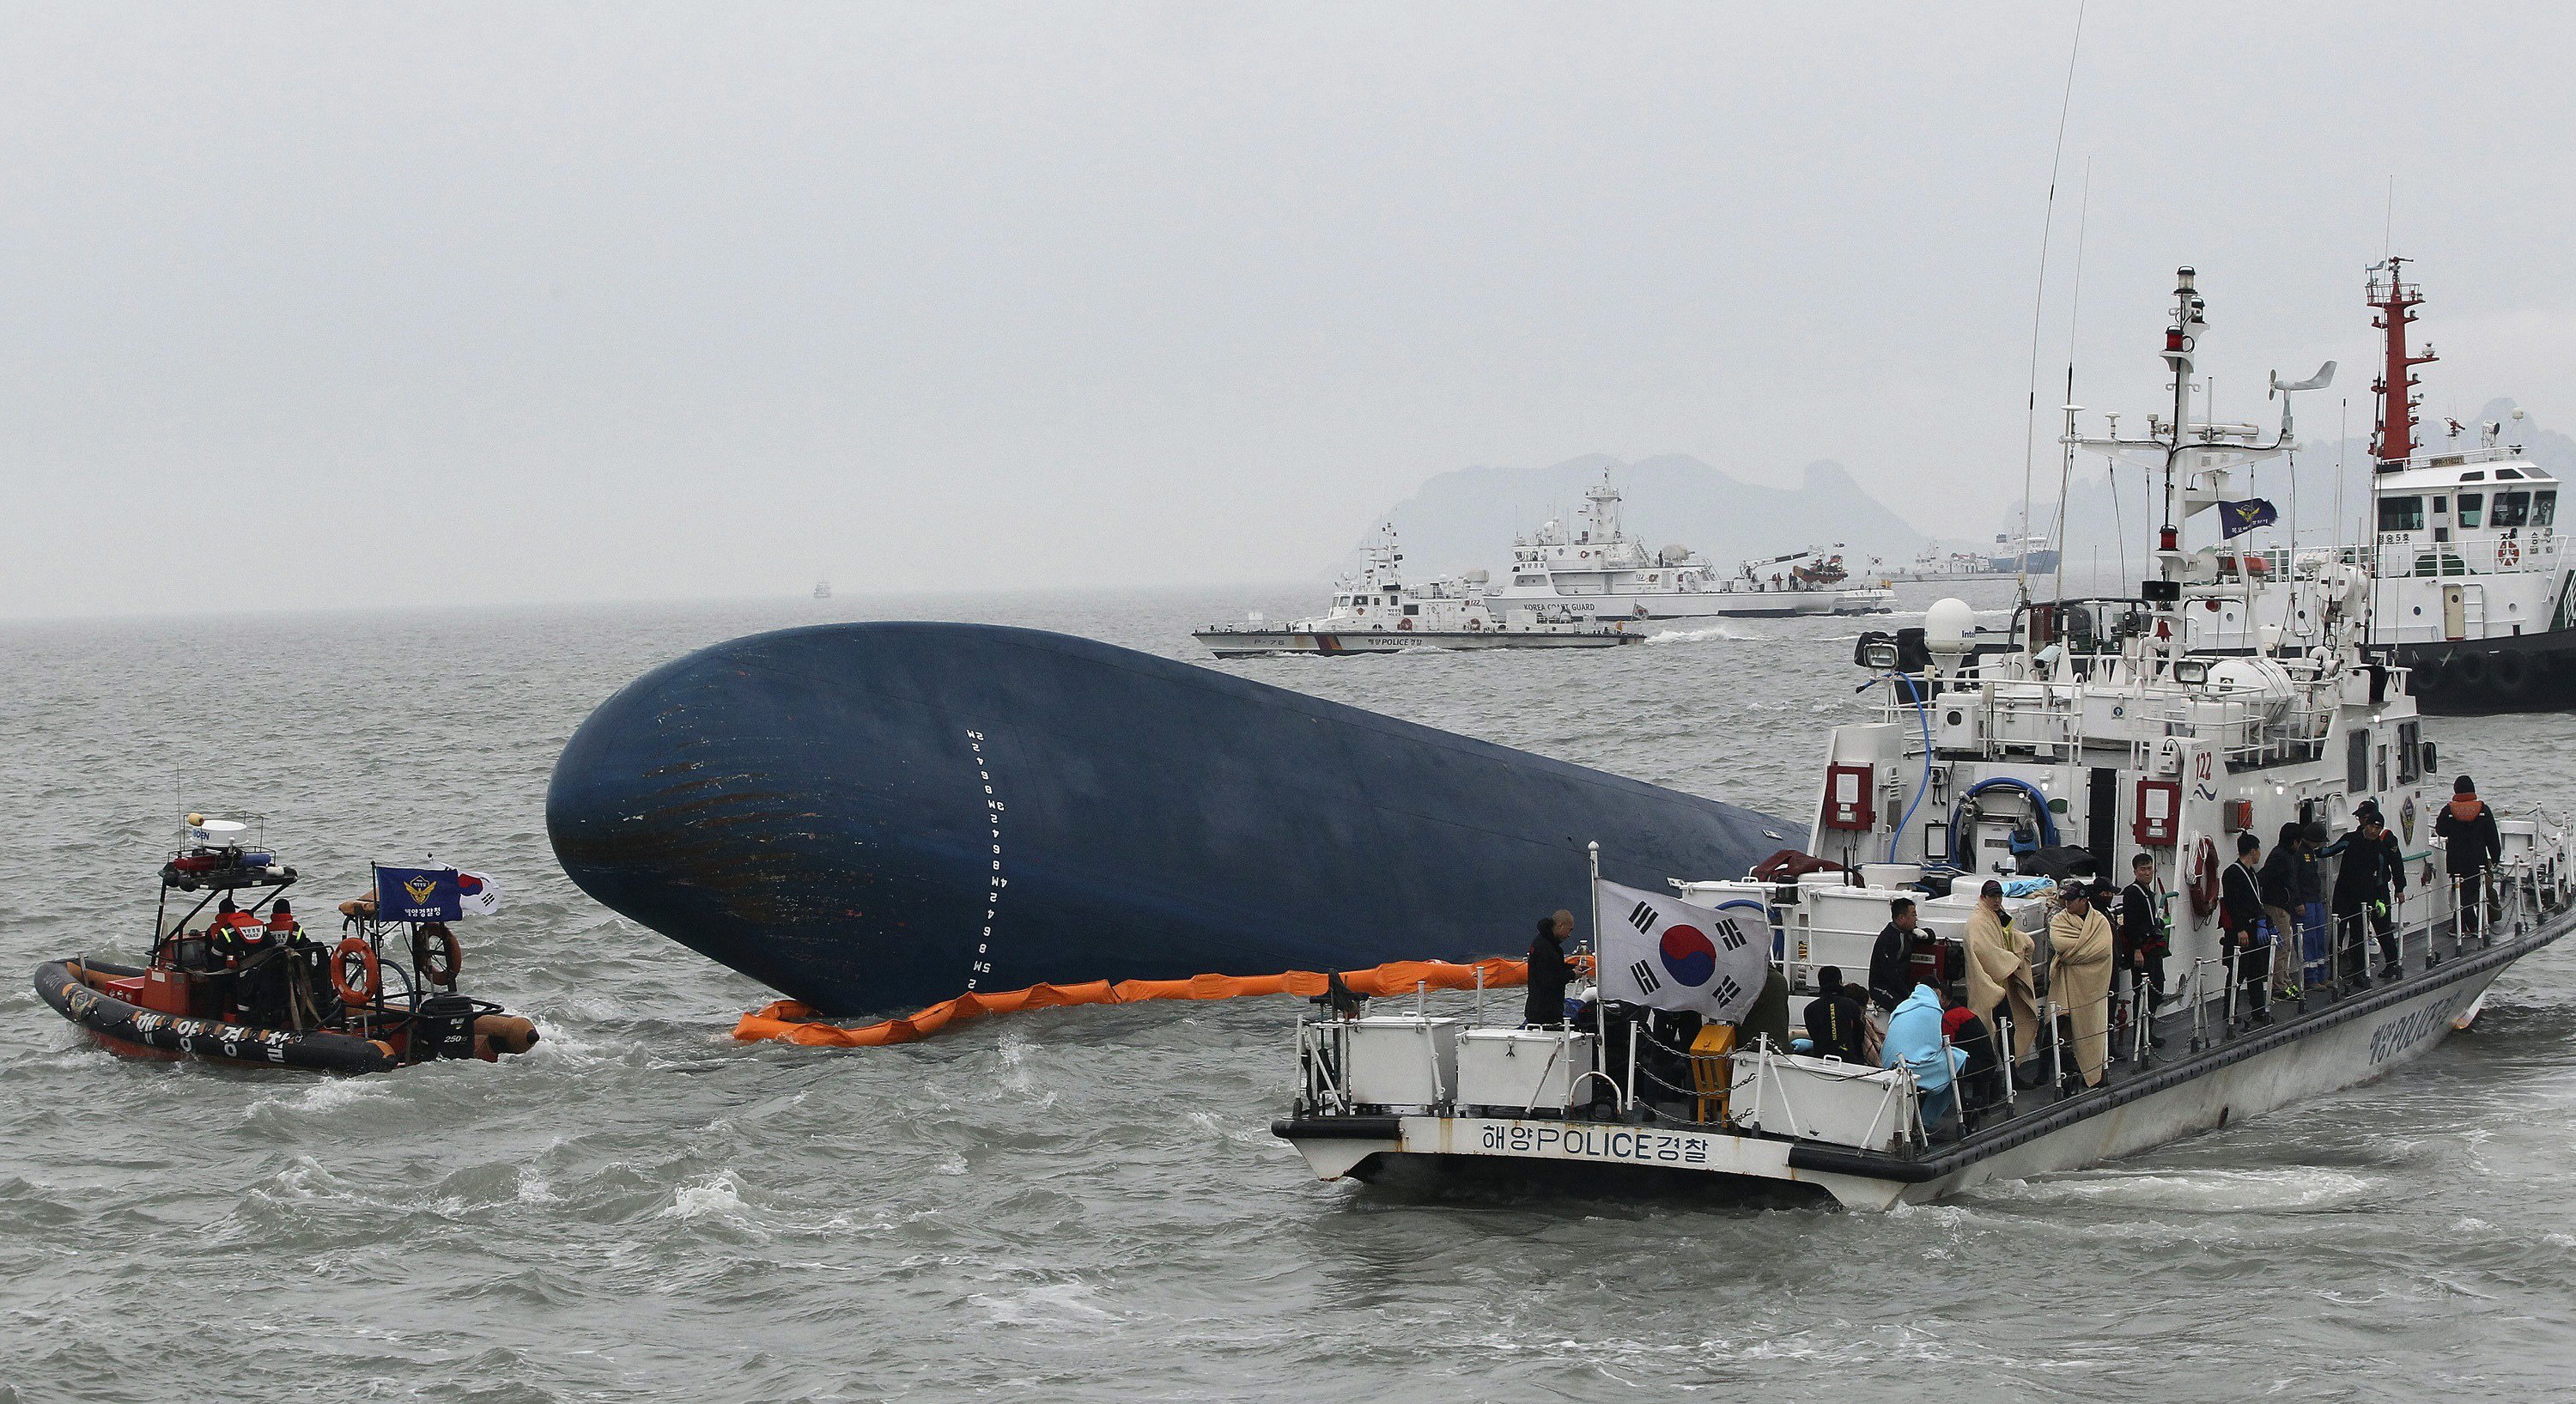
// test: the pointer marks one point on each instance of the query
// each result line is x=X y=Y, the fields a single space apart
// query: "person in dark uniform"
x=2470 y=844
x=1891 y=961
x=2240 y=916
x=2368 y=884
x=1549 y=973
x=1834 y=1019
x=2144 y=941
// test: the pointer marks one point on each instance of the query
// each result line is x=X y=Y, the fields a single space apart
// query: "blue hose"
x=2038 y=804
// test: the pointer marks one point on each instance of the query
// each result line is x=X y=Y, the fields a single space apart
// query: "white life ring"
x=2508 y=552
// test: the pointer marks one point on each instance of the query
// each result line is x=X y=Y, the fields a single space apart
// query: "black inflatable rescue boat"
x=249 y=985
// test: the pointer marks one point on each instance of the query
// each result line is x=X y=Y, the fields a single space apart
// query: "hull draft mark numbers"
x=982 y=964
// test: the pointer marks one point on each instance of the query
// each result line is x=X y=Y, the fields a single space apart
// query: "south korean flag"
x=1667 y=954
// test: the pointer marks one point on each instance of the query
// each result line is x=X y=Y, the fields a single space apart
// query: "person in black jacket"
x=2144 y=941
x=1834 y=1019
x=1549 y=973
x=1891 y=961
x=2470 y=843
x=2280 y=884
x=2240 y=916
x=2368 y=884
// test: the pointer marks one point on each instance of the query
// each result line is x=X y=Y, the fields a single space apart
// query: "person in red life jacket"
x=2470 y=844
x=2240 y=916
x=1981 y=1086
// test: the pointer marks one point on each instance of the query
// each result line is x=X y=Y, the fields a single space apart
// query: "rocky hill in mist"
x=1467 y=519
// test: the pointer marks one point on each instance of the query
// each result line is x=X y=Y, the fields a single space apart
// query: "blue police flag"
x=2238 y=518
x=418 y=894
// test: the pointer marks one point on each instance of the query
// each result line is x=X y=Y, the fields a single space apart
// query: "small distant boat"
x=822 y=589
x=1376 y=612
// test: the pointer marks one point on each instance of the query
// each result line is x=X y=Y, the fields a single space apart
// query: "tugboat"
x=250 y=986
x=1376 y=612
x=2092 y=740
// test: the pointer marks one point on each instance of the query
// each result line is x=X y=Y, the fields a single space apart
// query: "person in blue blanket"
x=1914 y=1039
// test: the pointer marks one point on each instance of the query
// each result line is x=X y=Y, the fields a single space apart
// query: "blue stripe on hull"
x=810 y=807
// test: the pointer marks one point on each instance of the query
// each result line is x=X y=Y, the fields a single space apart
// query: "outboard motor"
x=444 y=1027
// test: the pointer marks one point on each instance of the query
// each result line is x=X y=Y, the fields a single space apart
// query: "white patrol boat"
x=1599 y=571
x=2464 y=578
x=1374 y=611
x=2063 y=747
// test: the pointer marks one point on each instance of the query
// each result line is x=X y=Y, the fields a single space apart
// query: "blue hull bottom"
x=877 y=817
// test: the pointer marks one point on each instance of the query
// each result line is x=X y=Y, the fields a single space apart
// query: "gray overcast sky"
x=363 y=303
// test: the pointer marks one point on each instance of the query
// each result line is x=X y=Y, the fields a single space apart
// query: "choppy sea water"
x=1086 y=1204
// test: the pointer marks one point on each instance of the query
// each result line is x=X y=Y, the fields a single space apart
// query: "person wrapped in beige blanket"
x=1999 y=977
x=2081 y=982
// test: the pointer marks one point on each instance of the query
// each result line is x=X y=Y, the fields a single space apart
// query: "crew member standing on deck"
x=2240 y=916
x=2143 y=931
x=2470 y=843
x=1549 y=973
x=2368 y=884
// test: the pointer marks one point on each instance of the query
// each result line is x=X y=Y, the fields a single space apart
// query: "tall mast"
x=2396 y=299
x=2182 y=342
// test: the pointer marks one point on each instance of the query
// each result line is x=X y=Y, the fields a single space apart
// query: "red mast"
x=2396 y=299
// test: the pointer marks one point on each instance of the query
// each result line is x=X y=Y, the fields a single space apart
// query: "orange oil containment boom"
x=791 y=1022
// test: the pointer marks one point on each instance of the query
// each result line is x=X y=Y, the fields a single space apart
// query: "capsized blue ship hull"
x=877 y=817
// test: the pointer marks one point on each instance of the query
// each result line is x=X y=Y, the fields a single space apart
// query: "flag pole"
x=1600 y=1005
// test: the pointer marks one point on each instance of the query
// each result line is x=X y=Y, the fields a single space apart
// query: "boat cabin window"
x=1413 y=609
x=2503 y=473
x=2512 y=509
x=2409 y=736
x=2401 y=514
x=2356 y=762
x=2472 y=505
x=2544 y=508
x=2441 y=505
x=2479 y=476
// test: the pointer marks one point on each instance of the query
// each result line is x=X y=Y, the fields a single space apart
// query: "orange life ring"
x=355 y=973
x=437 y=954
x=2203 y=886
x=2508 y=552
x=1404 y=623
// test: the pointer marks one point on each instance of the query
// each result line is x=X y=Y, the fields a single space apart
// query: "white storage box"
x=1401 y=1061
x=1820 y=1099
x=1523 y=1069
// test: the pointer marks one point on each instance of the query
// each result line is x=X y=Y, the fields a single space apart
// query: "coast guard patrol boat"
x=2092 y=730
x=1599 y=571
x=1374 y=611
